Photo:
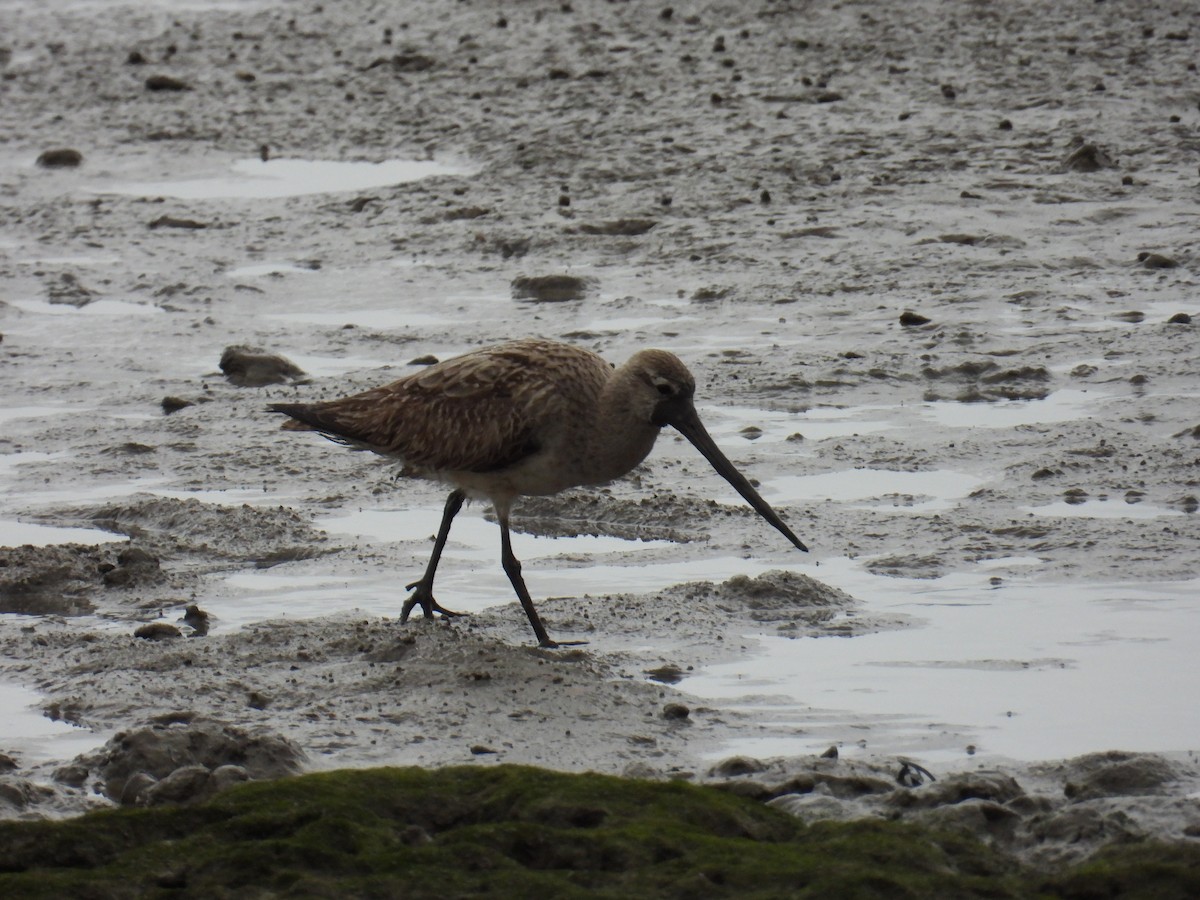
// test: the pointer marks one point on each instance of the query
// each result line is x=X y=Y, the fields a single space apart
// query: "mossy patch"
x=503 y=830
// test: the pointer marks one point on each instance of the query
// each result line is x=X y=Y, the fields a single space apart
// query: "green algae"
x=505 y=831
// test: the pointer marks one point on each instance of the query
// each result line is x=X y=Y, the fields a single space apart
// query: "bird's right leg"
x=422 y=591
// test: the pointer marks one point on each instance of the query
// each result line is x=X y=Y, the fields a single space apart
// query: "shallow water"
x=1012 y=667
x=887 y=489
x=1024 y=670
x=31 y=736
x=17 y=534
x=275 y=178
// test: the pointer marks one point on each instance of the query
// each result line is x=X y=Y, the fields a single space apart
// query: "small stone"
x=165 y=83
x=136 y=556
x=675 y=712
x=737 y=765
x=158 y=631
x=910 y=319
x=134 y=790
x=1086 y=157
x=668 y=674
x=186 y=784
x=252 y=367
x=71 y=775
x=174 y=404
x=62 y=158
x=1180 y=319
x=552 y=288
x=1156 y=261
x=196 y=619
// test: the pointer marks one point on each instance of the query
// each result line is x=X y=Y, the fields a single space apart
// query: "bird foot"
x=554 y=645
x=422 y=596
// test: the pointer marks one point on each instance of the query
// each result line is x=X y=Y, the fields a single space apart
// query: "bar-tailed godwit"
x=525 y=418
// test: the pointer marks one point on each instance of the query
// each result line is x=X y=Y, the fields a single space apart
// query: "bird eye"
x=664 y=389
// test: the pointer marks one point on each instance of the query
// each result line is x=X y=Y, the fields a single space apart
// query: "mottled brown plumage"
x=527 y=417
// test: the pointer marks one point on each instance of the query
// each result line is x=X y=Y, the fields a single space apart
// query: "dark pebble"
x=174 y=404
x=158 y=631
x=1156 y=261
x=552 y=288
x=251 y=367
x=165 y=83
x=61 y=158
x=910 y=319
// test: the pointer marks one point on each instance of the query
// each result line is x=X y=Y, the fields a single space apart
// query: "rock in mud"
x=620 y=227
x=779 y=595
x=174 y=404
x=181 y=759
x=158 y=631
x=1084 y=156
x=552 y=288
x=171 y=526
x=1115 y=773
x=1156 y=261
x=67 y=290
x=60 y=158
x=159 y=83
x=55 y=580
x=134 y=566
x=254 y=367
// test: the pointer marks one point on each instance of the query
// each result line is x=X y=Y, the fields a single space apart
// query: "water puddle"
x=254 y=179
x=81 y=496
x=10 y=461
x=385 y=319
x=259 y=270
x=329 y=366
x=469 y=579
x=33 y=738
x=1102 y=509
x=772 y=426
x=473 y=537
x=1060 y=406
x=901 y=491
x=18 y=534
x=71 y=261
x=13 y=413
x=94 y=308
x=1014 y=670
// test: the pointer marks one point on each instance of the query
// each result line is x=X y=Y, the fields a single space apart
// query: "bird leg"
x=422 y=591
x=512 y=568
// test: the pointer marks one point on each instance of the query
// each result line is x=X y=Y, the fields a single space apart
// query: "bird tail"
x=328 y=423
x=302 y=416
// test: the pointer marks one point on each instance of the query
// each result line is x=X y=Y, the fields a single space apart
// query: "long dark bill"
x=688 y=423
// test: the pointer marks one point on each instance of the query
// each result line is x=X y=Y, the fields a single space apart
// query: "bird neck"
x=623 y=436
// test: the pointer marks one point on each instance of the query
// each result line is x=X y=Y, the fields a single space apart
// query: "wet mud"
x=948 y=243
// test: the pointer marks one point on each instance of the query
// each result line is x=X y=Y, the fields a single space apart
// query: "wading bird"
x=525 y=418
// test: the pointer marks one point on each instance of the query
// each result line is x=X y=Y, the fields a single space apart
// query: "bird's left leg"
x=512 y=568
x=422 y=591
